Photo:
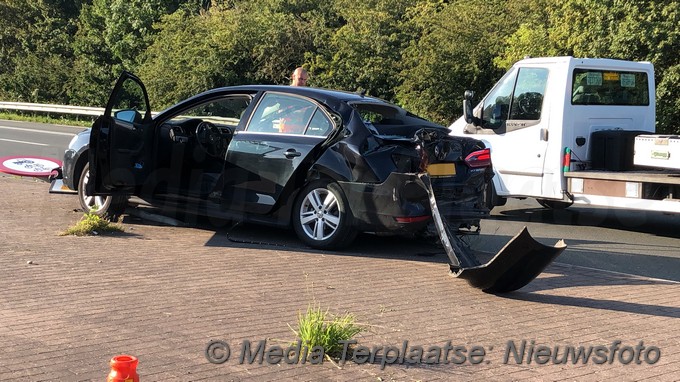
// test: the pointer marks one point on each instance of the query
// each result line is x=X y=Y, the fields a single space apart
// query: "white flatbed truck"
x=566 y=131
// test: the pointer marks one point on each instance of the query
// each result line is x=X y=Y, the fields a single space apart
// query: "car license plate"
x=441 y=169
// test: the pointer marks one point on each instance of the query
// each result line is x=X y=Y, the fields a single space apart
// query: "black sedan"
x=328 y=163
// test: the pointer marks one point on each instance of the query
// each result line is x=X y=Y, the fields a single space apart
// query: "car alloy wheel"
x=319 y=214
x=321 y=217
x=110 y=207
x=91 y=202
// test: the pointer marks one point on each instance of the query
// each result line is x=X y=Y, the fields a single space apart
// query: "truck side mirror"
x=467 y=108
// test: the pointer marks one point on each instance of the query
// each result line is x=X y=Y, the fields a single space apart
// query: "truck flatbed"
x=645 y=176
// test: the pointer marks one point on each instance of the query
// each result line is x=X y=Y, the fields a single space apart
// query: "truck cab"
x=562 y=130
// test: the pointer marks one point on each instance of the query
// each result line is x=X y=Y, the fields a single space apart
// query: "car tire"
x=491 y=198
x=109 y=207
x=554 y=204
x=322 y=218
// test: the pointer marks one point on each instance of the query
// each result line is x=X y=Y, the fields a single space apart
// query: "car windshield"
x=223 y=111
x=387 y=119
x=377 y=113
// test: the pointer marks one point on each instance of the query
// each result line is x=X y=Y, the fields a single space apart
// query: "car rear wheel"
x=321 y=217
x=491 y=198
x=109 y=207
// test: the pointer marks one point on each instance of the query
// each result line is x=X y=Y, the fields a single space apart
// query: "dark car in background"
x=328 y=163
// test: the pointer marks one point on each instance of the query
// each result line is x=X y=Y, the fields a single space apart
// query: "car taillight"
x=479 y=158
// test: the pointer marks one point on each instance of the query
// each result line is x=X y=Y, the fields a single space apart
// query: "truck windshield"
x=609 y=87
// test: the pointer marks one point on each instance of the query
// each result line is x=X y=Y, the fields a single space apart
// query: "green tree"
x=232 y=43
x=364 y=47
x=183 y=60
x=421 y=53
x=112 y=36
x=35 y=49
x=455 y=51
x=532 y=36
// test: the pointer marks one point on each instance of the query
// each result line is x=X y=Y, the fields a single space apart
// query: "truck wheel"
x=321 y=216
x=554 y=204
x=108 y=207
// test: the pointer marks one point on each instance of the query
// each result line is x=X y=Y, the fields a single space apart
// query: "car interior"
x=191 y=146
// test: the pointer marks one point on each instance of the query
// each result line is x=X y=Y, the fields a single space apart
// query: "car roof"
x=332 y=98
x=312 y=92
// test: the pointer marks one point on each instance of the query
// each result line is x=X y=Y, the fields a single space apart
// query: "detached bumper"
x=401 y=203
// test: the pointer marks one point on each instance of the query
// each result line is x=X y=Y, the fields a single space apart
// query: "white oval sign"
x=29 y=166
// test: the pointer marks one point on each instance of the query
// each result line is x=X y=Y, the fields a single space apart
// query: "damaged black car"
x=327 y=163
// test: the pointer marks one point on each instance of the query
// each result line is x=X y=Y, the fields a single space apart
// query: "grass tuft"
x=92 y=224
x=319 y=328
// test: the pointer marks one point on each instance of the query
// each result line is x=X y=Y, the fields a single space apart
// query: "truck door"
x=517 y=129
x=121 y=139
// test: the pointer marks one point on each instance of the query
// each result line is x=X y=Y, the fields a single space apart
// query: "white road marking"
x=38 y=131
x=616 y=273
x=24 y=142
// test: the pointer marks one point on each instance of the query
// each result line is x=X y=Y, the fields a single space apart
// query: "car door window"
x=129 y=103
x=287 y=114
x=320 y=125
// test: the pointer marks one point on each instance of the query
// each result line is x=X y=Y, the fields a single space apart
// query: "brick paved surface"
x=161 y=293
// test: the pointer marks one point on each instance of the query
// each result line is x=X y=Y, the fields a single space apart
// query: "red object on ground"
x=123 y=369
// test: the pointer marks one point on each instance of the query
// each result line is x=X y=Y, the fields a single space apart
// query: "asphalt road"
x=35 y=139
x=632 y=242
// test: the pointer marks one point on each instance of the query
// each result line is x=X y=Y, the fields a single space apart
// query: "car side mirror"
x=131 y=116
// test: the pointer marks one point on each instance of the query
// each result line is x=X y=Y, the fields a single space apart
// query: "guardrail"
x=47 y=108
x=59 y=109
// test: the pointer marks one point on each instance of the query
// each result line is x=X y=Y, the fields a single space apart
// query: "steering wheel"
x=209 y=137
x=530 y=104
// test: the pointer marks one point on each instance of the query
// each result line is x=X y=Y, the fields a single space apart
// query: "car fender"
x=75 y=158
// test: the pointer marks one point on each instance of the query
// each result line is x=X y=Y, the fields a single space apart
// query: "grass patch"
x=92 y=224
x=83 y=120
x=319 y=328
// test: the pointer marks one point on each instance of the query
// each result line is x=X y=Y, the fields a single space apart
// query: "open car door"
x=121 y=140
